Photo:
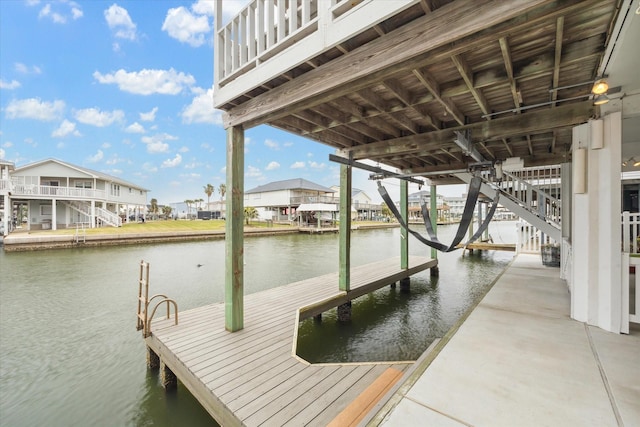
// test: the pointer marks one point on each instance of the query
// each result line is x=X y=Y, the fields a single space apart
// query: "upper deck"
x=393 y=81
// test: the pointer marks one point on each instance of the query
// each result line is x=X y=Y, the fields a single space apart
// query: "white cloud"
x=186 y=27
x=135 y=128
x=184 y=149
x=95 y=117
x=201 y=110
x=96 y=157
x=2 y=153
x=272 y=144
x=34 y=108
x=157 y=144
x=317 y=166
x=25 y=69
x=172 y=163
x=253 y=172
x=147 y=82
x=149 y=167
x=59 y=17
x=14 y=84
x=66 y=128
x=150 y=116
x=272 y=166
x=120 y=22
x=298 y=165
x=106 y=145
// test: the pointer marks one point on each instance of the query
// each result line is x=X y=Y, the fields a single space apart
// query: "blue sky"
x=126 y=88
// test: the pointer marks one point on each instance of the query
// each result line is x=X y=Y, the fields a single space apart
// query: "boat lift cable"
x=467 y=217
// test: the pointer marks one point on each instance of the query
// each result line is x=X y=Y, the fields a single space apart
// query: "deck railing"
x=630 y=232
x=266 y=28
x=537 y=189
x=49 y=190
x=630 y=269
x=262 y=29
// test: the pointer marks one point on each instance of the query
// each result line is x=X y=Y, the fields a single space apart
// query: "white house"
x=52 y=194
x=361 y=203
x=279 y=200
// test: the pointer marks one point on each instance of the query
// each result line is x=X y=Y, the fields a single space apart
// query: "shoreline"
x=26 y=242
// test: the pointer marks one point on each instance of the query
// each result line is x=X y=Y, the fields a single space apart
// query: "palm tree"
x=222 y=189
x=166 y=210
x=154 y=206
x=250 y=213
x=188 y=202
x=209 y=190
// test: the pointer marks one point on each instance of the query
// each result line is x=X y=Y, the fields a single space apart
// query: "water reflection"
x=71 y=355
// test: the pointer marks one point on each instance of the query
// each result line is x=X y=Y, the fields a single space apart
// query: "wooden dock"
x=253 y=377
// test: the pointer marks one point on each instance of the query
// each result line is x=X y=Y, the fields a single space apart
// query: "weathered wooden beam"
x=467 y=75
x=508 y=65
x=383 y=57
x=234 y=231
x=557 y=56
x=434 y=88
x=522 y=124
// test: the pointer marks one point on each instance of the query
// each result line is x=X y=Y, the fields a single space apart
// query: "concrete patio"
x=518 y=359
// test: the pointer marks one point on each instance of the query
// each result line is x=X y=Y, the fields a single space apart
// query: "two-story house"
x=52 y=194
x=279 y=200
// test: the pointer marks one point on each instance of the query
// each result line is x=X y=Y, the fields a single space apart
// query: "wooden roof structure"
x=511 y=76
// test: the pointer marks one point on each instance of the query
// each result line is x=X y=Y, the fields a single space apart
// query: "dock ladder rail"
x=144 y=319
x=81 y=233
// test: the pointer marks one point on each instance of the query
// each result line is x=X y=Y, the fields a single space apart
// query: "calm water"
x=70 y=354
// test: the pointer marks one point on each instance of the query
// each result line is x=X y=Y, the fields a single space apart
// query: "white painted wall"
x=596 y=285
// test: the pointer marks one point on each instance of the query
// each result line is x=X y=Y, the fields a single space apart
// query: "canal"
x=70 y=354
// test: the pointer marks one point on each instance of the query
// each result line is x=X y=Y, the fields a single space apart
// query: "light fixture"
x=600 y=87
x=633 y=160
x=601 y=99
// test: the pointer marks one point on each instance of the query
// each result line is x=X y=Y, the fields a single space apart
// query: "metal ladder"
x=144 y=320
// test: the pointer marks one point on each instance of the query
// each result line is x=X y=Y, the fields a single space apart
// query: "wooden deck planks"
x=250 y=376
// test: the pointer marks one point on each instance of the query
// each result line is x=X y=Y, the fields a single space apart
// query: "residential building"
x=361 y=204
x=279 y=200
x=52 y=194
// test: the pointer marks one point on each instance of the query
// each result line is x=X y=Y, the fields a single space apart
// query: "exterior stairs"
x=103 y=216
x=534 y=197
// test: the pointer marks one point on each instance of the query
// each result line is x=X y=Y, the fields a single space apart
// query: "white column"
x=54 y=214
x=596 y=296
x=93 y=214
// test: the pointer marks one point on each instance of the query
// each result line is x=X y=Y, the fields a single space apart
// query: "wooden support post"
x=405 y=284
x=404 y=213
x=393 y=285
x=153 y=360
x=167 y=377
x=344 y=312
x=433 y=201
x=344 y=270
x=318 y=317
x=234 y=229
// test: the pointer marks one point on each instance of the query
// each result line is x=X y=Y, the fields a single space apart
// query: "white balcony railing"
x=295 y=30
x=260 y=30
x=55 y=191
x=631 y=232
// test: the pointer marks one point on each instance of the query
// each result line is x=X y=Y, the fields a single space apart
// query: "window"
x=83 y=184
x=45 y=210
x=115 y=190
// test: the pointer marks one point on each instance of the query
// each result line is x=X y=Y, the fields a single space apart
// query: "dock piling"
x=167 y=377
x=153 y=360
x=344 y=312
x=405 y=284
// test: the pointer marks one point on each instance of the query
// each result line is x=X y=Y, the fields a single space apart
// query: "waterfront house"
x=52 y=194
x=361 y=204
x=280 y=200
x=442 y=89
